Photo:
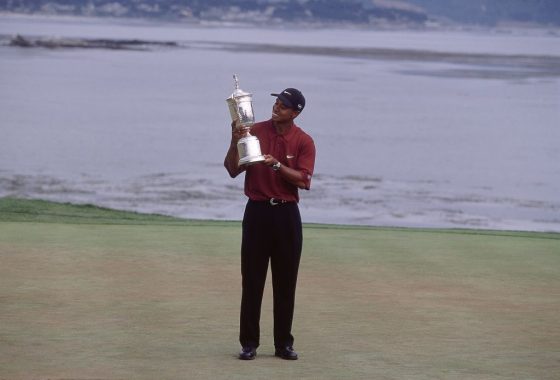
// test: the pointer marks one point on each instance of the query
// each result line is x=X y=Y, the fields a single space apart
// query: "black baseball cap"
x=293 y=98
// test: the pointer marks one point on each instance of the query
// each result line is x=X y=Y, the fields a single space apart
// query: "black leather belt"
x=273 y=202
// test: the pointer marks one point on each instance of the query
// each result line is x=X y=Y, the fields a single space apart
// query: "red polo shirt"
x=294 y=149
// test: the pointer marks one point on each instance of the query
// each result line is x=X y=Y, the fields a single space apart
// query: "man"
x=272 y=223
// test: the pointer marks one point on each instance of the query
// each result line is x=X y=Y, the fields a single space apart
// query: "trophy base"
x=250 y=160
x=249 y=150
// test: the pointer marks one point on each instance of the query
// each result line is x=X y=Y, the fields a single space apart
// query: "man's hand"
x=288 y=174
x=269 y=160
x=236 y=133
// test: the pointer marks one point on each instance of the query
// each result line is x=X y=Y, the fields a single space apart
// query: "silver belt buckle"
x=276 y=201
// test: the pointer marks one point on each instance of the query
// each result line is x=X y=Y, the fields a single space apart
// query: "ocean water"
x=413 y=128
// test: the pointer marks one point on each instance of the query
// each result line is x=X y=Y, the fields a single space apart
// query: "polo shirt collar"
x=288 y=135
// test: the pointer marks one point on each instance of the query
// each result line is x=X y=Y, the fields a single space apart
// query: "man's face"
x=281 y=113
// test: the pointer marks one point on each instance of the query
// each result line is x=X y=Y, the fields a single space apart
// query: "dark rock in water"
x=81 y=43
x=20 y=41
x=129 y=44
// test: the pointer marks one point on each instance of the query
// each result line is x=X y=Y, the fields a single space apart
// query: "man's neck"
x=282 y=128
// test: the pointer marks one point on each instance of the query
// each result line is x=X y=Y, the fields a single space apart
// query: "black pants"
x=269 y=232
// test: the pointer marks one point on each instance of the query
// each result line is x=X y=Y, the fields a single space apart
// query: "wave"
x=350 y=200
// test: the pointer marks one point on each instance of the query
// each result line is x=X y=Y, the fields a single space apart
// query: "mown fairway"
x=87 y=293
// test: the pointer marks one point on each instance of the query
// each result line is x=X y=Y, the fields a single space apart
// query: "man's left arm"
x=300 y=177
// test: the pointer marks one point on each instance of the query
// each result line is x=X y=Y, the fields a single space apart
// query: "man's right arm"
x=231 y=162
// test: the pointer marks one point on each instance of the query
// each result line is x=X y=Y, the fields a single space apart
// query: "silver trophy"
x=241 y=110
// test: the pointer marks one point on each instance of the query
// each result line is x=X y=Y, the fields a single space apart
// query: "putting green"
x=90 y=293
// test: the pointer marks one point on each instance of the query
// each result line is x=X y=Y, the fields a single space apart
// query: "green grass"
x=87 y=292
x=32 y=210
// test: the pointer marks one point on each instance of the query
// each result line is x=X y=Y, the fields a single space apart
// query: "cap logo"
x=286 y=92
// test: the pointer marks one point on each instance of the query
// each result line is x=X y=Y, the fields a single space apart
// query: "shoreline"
x=500 y=28
x=16 y=209
x=372 y=200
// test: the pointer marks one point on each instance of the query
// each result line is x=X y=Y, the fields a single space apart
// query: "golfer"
x=272 y=223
